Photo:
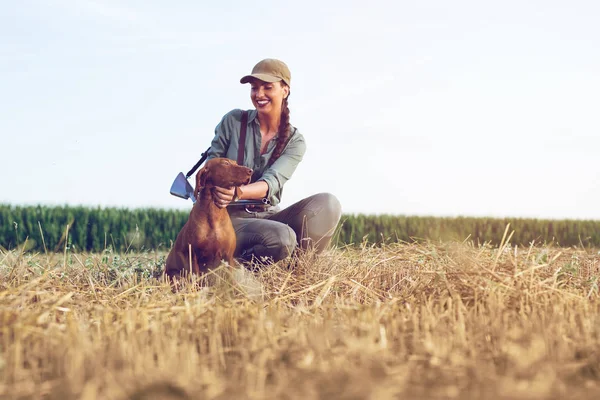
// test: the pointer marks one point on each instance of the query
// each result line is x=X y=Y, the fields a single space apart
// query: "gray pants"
x=274 y=235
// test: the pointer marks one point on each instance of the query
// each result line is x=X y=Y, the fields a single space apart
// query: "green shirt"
x=227 y=138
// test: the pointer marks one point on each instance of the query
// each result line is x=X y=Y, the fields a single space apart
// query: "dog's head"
x=222 y=172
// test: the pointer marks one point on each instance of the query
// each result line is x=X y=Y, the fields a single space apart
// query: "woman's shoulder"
x=296 y=142
x=295 y=135
x=230 y=124
x=235 y=115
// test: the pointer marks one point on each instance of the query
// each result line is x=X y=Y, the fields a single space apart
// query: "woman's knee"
x=278 y=242
x=287 y=242
x=331 y=205
x=330 y=213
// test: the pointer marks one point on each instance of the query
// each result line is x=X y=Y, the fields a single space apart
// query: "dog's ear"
x=200 y=180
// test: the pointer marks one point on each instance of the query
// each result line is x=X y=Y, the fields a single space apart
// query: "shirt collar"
x=252 y=114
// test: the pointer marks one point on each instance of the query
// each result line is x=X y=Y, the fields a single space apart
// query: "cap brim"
x=261 y=77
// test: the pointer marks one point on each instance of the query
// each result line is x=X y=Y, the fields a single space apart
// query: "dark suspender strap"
x=242 y=143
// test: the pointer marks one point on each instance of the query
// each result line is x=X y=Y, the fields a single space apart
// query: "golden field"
x=428 y=321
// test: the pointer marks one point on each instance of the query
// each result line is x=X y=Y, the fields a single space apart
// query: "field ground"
x=431 y=321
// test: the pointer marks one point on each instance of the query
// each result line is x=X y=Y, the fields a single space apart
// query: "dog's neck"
x=205 y=197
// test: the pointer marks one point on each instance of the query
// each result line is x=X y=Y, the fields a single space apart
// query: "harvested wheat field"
x=429 y=321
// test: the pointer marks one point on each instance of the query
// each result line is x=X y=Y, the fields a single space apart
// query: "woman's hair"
x=283 y=133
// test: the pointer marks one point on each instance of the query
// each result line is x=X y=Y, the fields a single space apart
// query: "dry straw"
x=434 y=320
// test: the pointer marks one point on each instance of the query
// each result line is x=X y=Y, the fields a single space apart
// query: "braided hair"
x=284 y=131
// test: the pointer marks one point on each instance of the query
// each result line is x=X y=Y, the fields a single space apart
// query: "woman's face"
x=267 y=97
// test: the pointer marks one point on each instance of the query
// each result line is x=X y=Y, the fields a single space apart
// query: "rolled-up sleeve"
x=283 y=168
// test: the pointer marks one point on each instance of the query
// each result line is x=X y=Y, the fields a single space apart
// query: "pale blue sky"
x=421 y=108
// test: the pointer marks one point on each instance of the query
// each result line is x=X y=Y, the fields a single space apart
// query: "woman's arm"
x=283 y=168
x=256 y=190
x=272 y=180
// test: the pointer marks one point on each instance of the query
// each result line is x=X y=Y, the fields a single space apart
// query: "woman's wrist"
x=237 y=193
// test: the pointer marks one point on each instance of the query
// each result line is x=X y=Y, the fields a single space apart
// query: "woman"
x=273 y=149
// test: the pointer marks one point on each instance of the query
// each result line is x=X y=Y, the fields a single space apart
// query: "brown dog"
x=208 y=230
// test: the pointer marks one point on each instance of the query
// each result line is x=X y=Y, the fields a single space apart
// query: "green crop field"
x=42 y=228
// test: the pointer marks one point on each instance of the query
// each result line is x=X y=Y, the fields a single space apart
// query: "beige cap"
x=269 y=70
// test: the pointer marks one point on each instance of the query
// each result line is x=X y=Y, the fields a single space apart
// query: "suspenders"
x=251 y=206
x=242 y=143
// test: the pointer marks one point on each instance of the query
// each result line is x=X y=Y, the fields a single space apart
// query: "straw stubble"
x=401 y=320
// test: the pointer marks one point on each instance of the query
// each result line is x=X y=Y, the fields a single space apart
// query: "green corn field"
x=50 y=229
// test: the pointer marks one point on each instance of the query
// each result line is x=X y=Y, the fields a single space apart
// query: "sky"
x=442 y=108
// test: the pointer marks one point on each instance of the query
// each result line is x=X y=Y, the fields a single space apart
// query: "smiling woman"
x=273 y=148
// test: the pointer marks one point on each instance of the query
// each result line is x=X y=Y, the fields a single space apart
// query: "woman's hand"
x=223 y=196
